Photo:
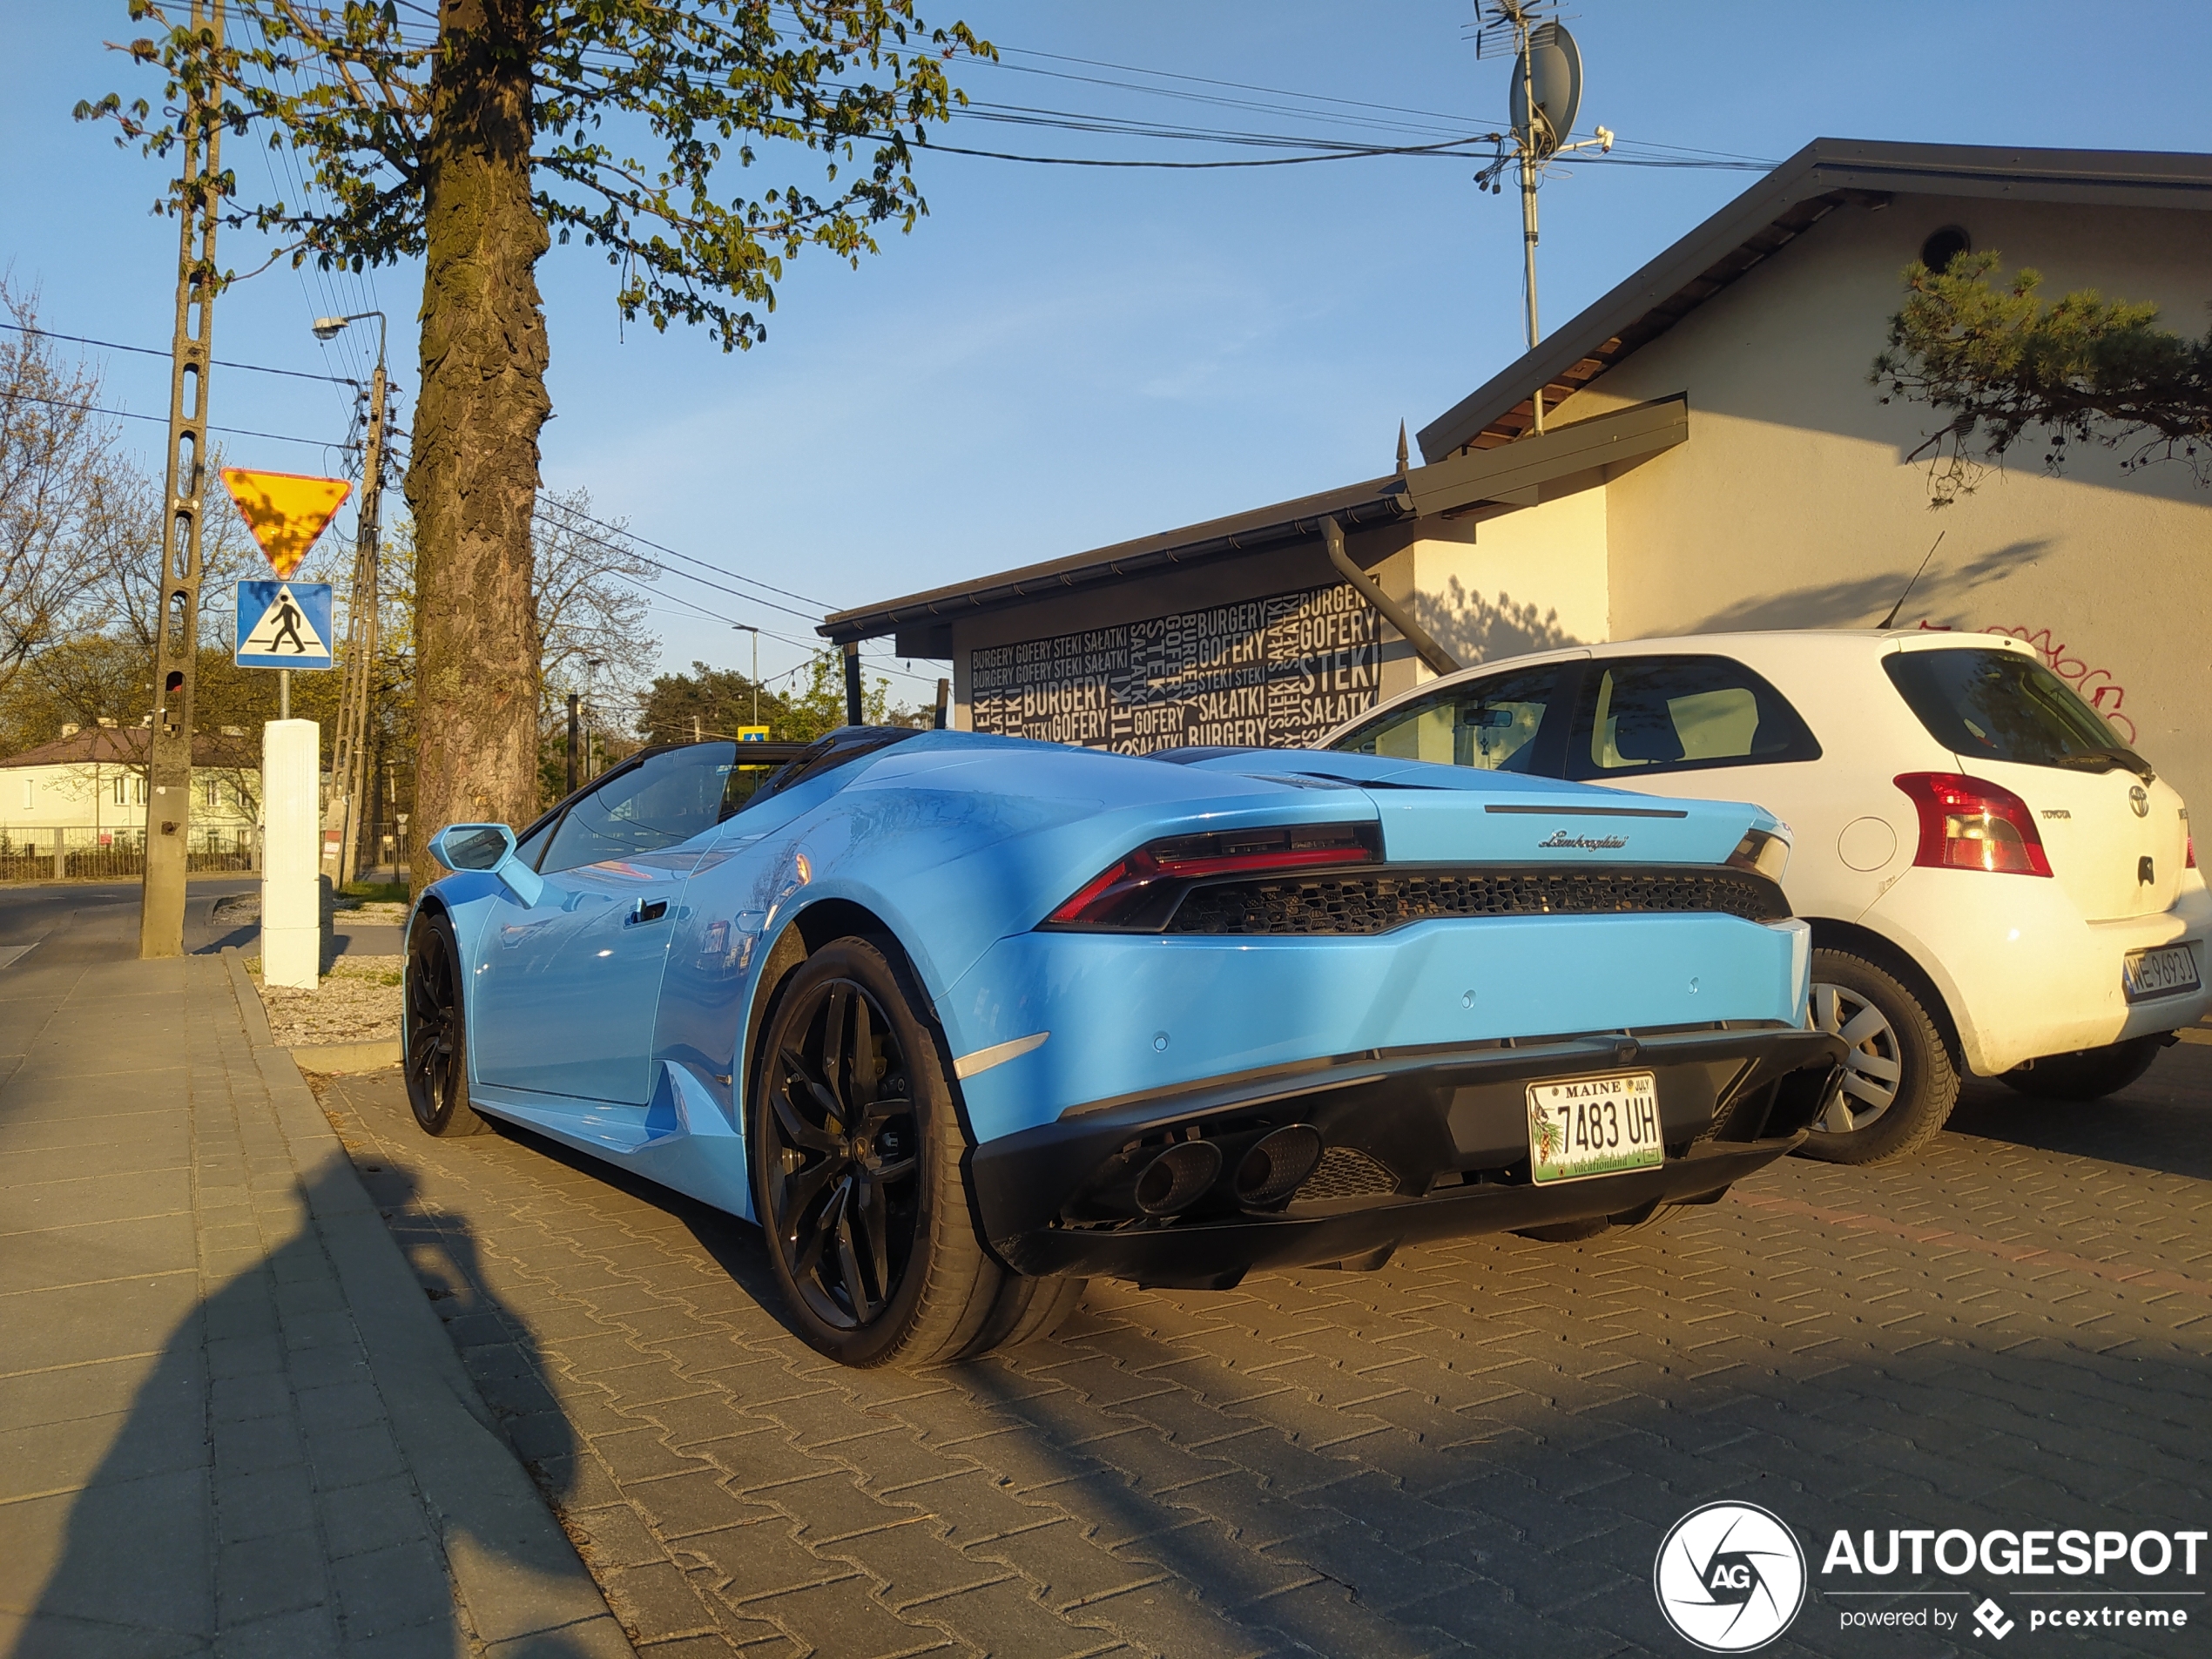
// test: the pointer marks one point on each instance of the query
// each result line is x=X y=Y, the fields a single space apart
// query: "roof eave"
x=1826 y=173
x=1579 y=451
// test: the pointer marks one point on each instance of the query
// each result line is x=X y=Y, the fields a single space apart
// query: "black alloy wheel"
x=839 y=1153
x=436 y=1055
x=857 y=1152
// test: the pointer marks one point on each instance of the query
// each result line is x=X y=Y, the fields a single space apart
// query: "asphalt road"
x=1482 y=1445
x=30 y=911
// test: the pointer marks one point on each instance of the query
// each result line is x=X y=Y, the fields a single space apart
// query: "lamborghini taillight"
x=1136 y=891
x=1970 y=824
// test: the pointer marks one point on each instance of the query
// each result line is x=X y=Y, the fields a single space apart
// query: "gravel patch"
x=357 y=1001
x=238 y=909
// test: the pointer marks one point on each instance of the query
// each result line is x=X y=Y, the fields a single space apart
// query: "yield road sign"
x=283 y=625
x=285 y=511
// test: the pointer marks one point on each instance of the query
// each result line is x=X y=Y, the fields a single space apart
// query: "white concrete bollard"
x=290 y=854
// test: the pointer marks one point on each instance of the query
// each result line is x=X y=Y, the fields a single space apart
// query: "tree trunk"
x=472 y=475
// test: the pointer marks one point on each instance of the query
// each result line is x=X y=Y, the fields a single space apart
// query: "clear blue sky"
x=1061 y=357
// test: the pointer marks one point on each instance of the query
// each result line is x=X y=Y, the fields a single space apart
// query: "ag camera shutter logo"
x=1729 y=1577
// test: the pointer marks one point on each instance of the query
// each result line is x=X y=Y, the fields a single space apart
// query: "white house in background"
x=1715 y=457
x=91 y=783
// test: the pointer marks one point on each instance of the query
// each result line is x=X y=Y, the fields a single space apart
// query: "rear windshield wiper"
x=2107 y=760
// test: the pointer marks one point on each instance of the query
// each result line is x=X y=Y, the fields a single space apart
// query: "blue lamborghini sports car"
x=961 y=1019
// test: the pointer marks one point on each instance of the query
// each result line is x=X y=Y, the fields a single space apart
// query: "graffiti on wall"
x=1275 y=672
x=2095 y=686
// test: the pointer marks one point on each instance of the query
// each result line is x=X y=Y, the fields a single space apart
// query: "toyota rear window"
x=1984 y=704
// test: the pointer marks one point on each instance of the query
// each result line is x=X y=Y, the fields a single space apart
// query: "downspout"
x=1370 y=589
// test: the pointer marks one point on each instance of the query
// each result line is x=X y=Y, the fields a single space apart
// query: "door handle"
x=646 y=910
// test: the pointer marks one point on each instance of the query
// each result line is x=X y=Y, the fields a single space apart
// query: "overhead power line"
x=556 y=513
x=163 y=420
x=150 y=351
x=1449 y=147
x=398 y=448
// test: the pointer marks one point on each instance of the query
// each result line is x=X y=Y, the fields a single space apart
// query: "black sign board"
x=1275 y=672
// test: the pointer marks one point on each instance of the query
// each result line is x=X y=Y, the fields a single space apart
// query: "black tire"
x=1899 y=1083
x=2086 y=1073
x=857 y=1174
x=433 y=1031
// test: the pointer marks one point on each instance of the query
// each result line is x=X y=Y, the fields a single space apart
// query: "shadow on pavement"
x=735 y=1244
x=495 y=1345
x=2162 y=1121
x=254 y=1499
x=1479 y=1447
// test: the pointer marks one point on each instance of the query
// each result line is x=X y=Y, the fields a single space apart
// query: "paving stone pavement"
x=1480 y=1445
x=226 y=1425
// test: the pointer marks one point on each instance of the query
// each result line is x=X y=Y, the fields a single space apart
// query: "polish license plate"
x=2145 y=974
x=1586 y=1126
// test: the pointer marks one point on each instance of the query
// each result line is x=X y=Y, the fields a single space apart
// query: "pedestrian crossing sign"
x=283 y=625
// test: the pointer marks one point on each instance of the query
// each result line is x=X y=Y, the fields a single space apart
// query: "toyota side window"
x=1649 y=714
x=1490 y=723
x=663 y=800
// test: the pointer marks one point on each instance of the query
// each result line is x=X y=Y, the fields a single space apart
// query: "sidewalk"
x=229 y=1420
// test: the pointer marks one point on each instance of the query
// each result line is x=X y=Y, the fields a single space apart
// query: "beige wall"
x=1793 y=505
x=75 y=796
x=1531 y=580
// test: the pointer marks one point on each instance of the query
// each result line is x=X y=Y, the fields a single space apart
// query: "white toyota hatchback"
x=1996 y=884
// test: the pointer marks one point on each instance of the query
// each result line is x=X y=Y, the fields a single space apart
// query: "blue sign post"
x=283 y=625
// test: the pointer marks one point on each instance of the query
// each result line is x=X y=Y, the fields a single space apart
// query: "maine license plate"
x=1590 y=1126
x=2145 y=974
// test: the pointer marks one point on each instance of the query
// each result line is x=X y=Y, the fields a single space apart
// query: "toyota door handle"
x=647 y=910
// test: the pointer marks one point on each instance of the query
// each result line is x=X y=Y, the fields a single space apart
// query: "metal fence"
x=87 y=852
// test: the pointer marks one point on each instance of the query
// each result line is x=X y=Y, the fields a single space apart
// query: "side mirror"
x=488 y=846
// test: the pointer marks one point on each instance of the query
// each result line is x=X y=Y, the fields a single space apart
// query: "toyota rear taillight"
x=1139 y=890
x=1970 y=824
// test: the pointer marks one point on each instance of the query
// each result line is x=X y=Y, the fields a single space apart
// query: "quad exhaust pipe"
x=1263 y=1176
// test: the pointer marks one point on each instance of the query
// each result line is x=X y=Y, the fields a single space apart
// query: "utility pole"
x=591 y=667
x=572 y=737
x=1528 y=147
x=161 y=911
x=349 y=750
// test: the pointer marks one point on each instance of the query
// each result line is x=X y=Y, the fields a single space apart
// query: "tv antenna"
x=1547 y=94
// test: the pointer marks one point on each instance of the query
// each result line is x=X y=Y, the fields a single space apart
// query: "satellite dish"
x=1555 y=73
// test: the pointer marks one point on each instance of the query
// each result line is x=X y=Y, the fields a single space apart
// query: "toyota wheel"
x=1898 y=1082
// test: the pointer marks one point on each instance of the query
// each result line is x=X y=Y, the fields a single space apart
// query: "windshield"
x=2002 y=706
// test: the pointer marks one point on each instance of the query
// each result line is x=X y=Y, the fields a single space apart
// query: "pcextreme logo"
x=1729 y=1577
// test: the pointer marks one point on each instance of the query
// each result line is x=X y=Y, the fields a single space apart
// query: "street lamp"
x=747 y=628
x=349 y=751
